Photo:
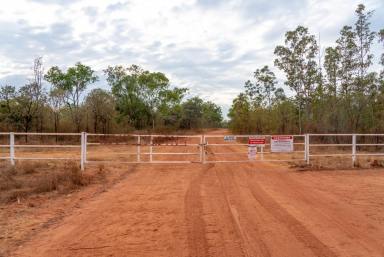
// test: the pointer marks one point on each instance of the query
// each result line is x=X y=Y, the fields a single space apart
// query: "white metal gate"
x=132 y=148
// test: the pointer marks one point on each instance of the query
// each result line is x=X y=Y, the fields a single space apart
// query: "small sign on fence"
x=252 y=151
x=257 y=140
x=229 y=138
x=253 y=143
x=281 y=144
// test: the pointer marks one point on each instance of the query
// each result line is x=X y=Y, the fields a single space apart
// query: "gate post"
x=83 y=156
x=85 y=147
x=262 y=153
x=12 y=148
x=150 y=149
x=353 y=150
x=306 y=148
x=138 y=148
x=203 y=149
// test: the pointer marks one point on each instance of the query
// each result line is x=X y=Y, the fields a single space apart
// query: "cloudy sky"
x=209 y=46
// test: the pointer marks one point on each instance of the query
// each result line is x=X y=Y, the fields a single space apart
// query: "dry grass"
x=339 y=163
x=30 y=178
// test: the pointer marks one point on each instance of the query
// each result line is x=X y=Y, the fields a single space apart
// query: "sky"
x=209 y=46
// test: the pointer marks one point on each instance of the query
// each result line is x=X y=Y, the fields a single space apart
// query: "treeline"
x=137 y=100
x=332 y=93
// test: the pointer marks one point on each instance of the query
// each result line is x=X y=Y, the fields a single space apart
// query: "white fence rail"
x=134 y=148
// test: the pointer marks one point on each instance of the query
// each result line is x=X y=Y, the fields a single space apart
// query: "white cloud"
x=209 y=46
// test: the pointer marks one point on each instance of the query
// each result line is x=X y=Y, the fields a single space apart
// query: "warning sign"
x=281 y=144
x=253 y=143
x=252 y=151
x=257 y=140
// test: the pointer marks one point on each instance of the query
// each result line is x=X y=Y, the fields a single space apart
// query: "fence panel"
x=46 y=146
x=345 y=145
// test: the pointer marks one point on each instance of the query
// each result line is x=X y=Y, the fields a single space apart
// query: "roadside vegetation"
x=26 y=179
x=339 y=89
x=59 y=101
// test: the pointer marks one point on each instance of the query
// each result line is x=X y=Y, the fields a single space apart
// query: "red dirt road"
x=225 y=210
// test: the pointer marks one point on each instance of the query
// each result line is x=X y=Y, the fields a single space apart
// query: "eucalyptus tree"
x=141 y=95
x=56 y=103
x=212 y=116
x=29 y=100
x=347 y=51
x=297 y=58
x=101 y=104
x=331 y=67
x=364 y=40
x=7 y=105
x=73 y=83
x=381 y=39
x=330 y=101
x=261 y=91
x=239 y=114
x=357 y=85
x=124 y=88
x=37 y=79
x=170 y=110
x=197 y=113
x=192 y=113
x=153 y=91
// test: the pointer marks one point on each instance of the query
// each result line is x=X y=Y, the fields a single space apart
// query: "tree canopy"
x=133 y=98
x=338 y=92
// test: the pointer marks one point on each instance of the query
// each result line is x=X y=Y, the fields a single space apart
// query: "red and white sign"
x=281 y=144
x=258 y=141
x=253 y=143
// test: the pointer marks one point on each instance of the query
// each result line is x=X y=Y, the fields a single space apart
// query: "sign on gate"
x=253 y=143
x=257 y=140
x=229 y=138
x=281 y=144
x=252 y=151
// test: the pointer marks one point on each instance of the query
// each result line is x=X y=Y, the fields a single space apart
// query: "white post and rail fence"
x=306 y=147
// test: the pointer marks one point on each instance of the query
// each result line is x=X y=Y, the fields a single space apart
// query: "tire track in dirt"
x=257 y=244
x=261 y=230
x=197 y=242
x=223 y=233
x=213 y=225
x=363 y=236
x=301 y=233
x=250 y=245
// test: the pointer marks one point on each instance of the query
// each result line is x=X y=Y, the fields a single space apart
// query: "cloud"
x=117 y=6
x=57 y=2
x=13 y=79
x=209 y=46
x=91 y=11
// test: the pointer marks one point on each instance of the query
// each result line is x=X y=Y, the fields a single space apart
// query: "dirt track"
x=225 y=210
